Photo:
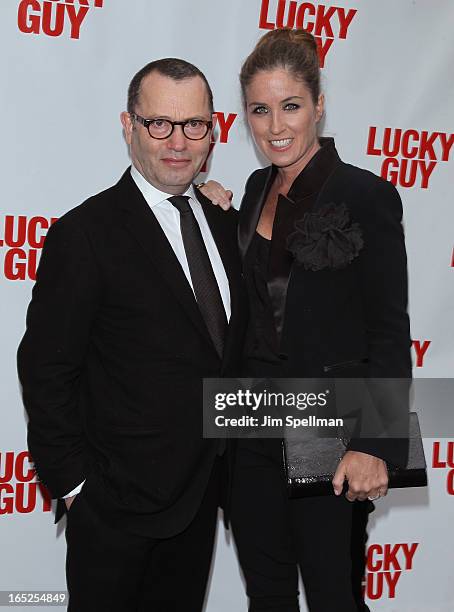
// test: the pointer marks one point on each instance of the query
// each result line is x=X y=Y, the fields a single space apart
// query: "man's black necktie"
x=203 y=279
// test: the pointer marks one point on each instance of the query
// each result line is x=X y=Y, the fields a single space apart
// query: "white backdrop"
x=387 y=77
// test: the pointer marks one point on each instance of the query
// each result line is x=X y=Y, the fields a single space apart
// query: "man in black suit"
x=137 y=300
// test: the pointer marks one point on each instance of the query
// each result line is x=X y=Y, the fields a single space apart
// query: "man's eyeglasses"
x=194 y=129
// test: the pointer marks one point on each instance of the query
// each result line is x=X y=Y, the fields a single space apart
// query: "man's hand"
x=367 y=476
x=219 y=196
x=69 y=501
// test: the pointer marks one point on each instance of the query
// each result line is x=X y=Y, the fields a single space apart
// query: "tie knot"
x=181 y=203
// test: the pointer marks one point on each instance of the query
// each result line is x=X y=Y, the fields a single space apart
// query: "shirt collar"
x=311 y=179
x=151 y=194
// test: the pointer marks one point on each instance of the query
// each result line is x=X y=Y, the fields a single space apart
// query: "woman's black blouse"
x=261 y=355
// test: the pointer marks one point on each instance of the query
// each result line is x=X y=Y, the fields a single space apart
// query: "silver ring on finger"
x=370 y=498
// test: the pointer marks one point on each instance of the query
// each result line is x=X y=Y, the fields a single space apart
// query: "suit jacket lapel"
x=281 y=260
x=301 y=198
x=250 y=211
x=143 y=225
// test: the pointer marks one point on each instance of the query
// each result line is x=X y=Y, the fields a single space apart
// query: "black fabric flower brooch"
x=325 y=239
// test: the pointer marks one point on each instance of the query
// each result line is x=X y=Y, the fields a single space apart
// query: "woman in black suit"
x=325 y=266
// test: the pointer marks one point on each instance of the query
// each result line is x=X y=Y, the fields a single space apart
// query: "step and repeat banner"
x=387 y=77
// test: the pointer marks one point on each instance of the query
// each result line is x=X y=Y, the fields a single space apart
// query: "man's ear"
x=127 y=124
x=214 y=121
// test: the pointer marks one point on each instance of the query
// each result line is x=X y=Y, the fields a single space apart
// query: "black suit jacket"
x=349 y=322
x=113 y=359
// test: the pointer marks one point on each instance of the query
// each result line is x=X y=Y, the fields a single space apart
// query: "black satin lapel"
x=281 y=260
x=145 y=228
x=301 y=197
x=250 y=211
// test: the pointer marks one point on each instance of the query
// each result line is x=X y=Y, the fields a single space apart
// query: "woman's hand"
x=219 y=196
x=367 y=476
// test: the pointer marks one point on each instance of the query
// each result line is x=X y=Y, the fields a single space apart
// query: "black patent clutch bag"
x=310 y=463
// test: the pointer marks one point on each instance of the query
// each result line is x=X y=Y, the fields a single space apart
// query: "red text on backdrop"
x=54 y=18
x=326 y=23
x=384 y=566
x=20 y=491
x=410 y=156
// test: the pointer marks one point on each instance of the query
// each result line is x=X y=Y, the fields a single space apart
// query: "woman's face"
x=283 y=118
